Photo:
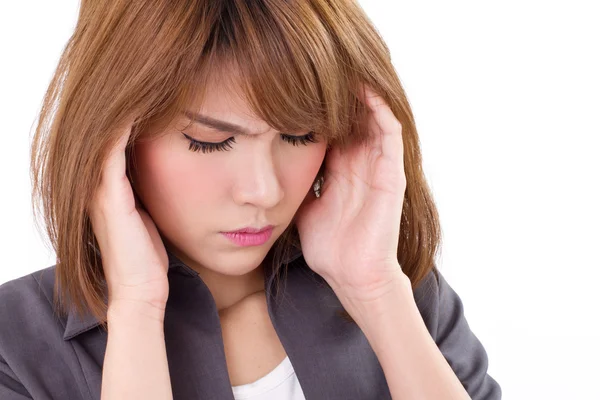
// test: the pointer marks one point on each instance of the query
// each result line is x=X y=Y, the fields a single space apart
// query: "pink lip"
x=250 y=236
x=252 y=230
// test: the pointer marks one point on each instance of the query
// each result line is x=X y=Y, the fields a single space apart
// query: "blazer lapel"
x=193 y=338
x=331 y=356
x=194 y=343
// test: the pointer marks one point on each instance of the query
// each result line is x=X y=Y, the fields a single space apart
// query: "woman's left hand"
x=350 y=233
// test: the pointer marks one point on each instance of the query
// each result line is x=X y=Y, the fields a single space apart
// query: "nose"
x=257 y=182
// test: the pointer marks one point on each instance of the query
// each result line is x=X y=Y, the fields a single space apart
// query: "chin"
x=239 y=263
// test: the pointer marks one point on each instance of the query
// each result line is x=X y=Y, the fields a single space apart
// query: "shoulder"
x=443 y=313
x=439 y=304
x=26 y=296
x=26 y=312
x=35 y=360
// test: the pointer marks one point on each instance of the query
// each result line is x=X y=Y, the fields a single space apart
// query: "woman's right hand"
x=134 y=258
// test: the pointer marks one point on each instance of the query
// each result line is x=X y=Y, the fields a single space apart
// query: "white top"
x=279 y=384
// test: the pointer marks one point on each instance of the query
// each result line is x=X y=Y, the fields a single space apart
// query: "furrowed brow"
x=219 y=125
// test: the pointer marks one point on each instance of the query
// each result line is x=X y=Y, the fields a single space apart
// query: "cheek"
x=174 y=183
x=299 y=172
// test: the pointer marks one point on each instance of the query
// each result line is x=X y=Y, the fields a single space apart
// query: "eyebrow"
x=217 y=124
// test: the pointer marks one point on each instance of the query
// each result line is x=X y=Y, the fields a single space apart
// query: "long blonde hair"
x=300 y=62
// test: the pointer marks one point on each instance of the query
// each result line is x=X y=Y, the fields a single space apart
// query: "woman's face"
x=192 y=196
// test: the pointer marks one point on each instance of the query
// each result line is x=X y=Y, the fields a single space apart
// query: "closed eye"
x=304 y=139
x=209 y=147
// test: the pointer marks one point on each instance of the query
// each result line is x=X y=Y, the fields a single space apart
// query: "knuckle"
x=99 y=203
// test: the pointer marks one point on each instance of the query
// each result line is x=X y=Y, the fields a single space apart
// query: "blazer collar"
x=75 y=326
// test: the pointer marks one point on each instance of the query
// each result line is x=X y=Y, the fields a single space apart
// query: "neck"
x=227 y=290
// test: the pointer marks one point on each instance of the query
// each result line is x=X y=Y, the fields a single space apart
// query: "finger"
x=114 y=185
x=114 y=165
x=389 y=132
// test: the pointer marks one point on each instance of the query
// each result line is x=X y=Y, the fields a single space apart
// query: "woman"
x=234 y=193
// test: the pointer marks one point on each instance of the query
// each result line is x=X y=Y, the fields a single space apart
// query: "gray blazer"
x=44 y=357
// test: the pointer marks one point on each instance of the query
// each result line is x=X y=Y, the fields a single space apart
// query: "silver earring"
x=318 y=185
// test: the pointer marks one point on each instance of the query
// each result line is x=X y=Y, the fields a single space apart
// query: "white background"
x=506 y=98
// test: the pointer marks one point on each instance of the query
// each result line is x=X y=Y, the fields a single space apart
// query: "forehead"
x=223 y=100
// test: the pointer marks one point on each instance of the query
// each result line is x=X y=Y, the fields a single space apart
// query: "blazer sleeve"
x=442 y=311
x=10 y=387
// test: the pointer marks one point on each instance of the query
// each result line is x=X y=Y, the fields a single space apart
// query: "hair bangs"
x=283 y=62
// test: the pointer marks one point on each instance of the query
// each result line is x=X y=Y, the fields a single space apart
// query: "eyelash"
x=208 y=147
